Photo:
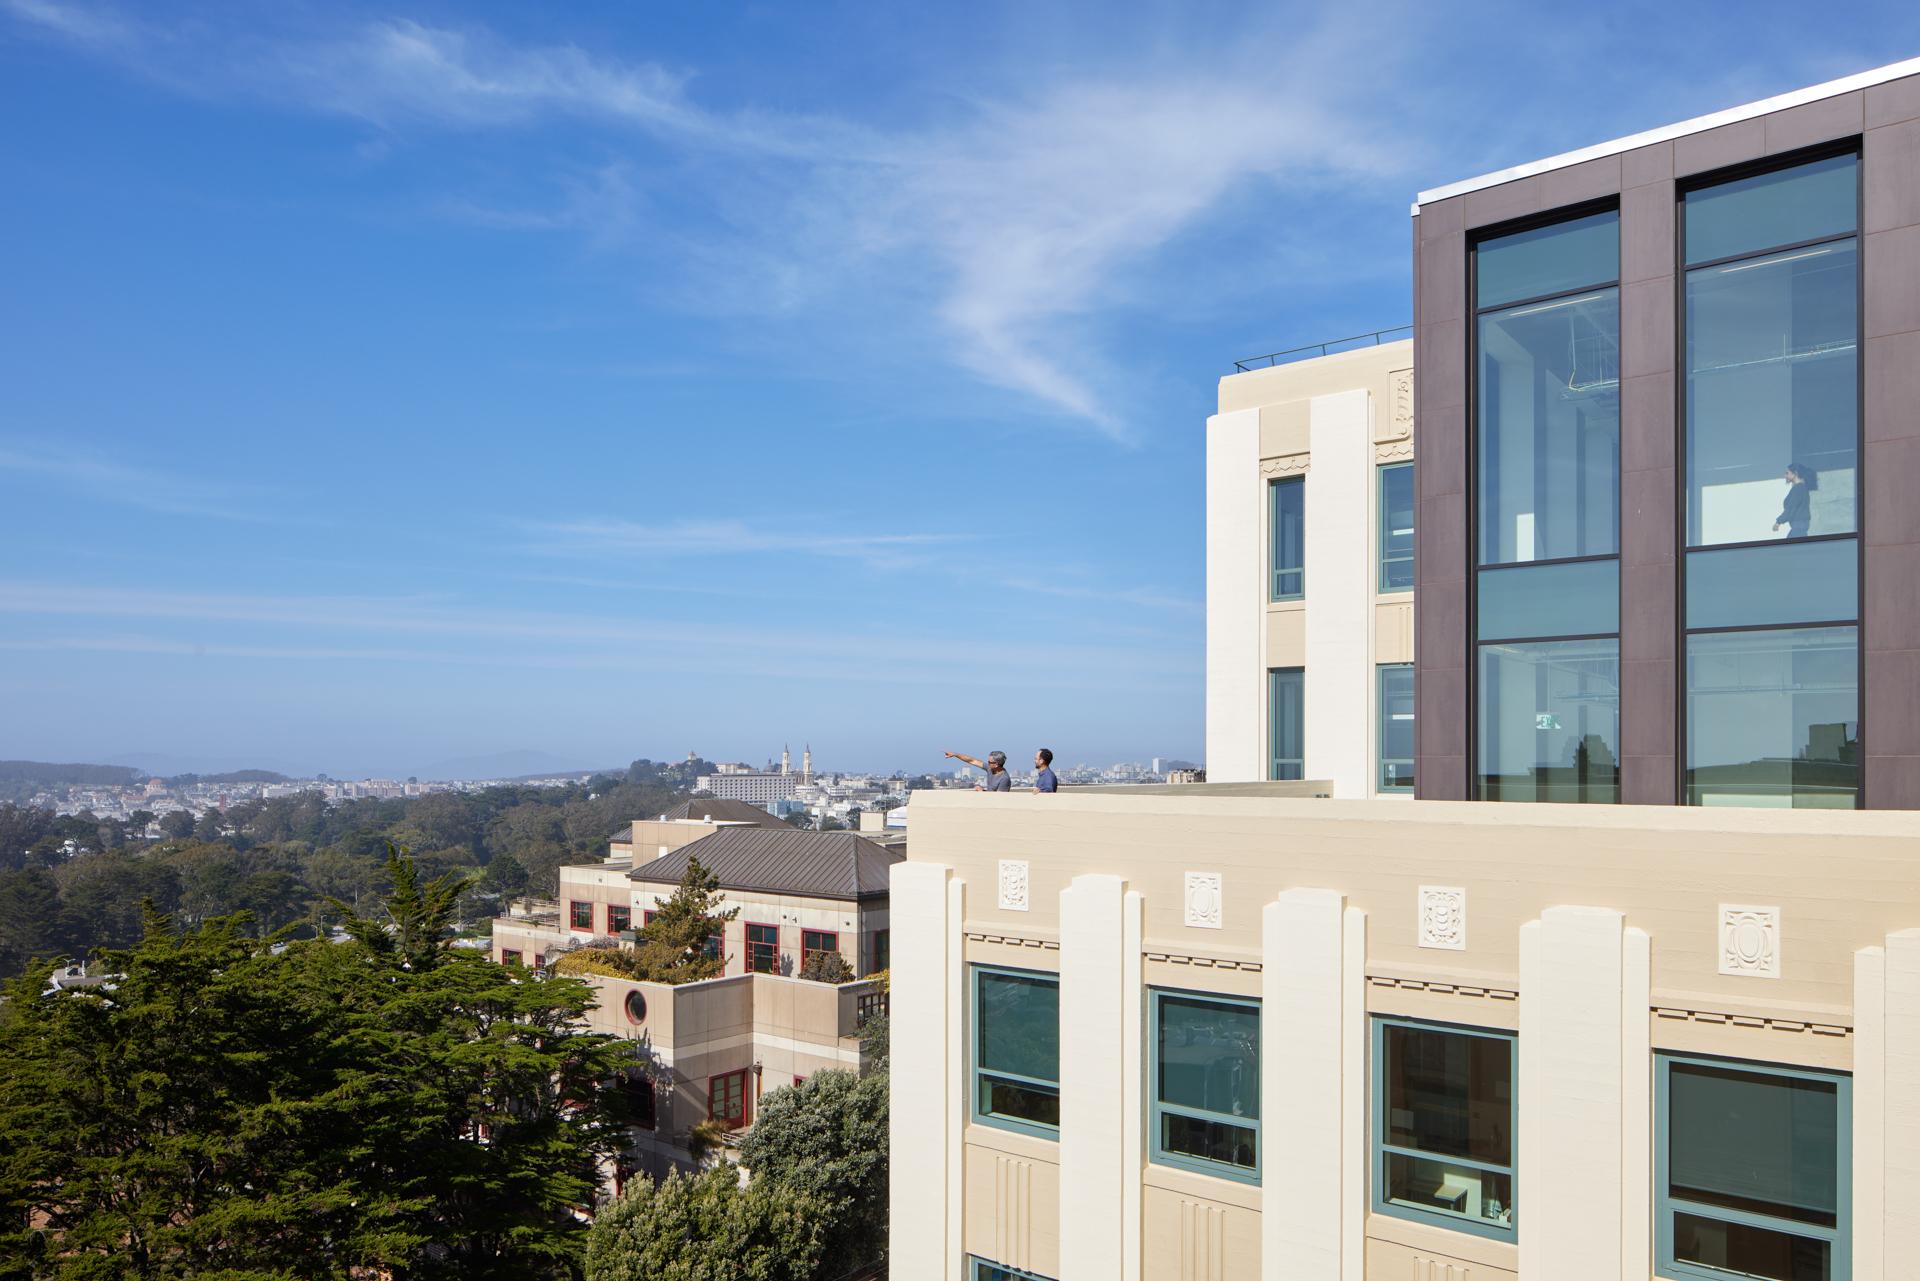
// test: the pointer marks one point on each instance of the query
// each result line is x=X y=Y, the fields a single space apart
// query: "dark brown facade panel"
x=1890 y=174
x=1646 y=709
x=1442 y=524
x=1821 y=120
x=1438 y=725
x=1648 y=164
x=1446 y=474
x=1891 y=270
x=1441 y=218
x=1647 y=780
x=1646 y=232
x=1440 y=357
x=1892 y=782
x=1891 y=497
x=1891 y=610
x=1589 y=180
x=1441 y=778
x=1646 y=517
x=1646 y=423
x=1448 y=607
x=1443 y=278
x=1646 y=611
x=1892 y=695
x=1893 y=102
x=1646 y=328
x=1728 y=145
x=1891 y=394
x=1514 y=199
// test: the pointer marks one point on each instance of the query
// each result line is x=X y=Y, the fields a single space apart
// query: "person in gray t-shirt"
x=998 y=780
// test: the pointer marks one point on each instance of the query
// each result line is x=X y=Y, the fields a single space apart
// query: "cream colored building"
x=1310 y=573
x=1598 y=953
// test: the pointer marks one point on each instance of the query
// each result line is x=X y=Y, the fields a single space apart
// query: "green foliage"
x=672 y=947
x=705 y=1227
x=227 y=1107
x=824 y=1142
x=613 y=962
x=826 y=967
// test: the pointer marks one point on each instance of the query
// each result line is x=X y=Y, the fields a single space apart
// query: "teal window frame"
x=1382 y=716
x=1156 y=1109
x=1839 y=1237
x=979 y=1269
x=1382 y=1149
x=1294 y=488
x=1295 y=678
x=1037 y=1129
x=1385 y=533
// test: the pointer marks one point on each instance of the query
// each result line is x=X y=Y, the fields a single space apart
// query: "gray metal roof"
x=712 y=809
x=782 y=860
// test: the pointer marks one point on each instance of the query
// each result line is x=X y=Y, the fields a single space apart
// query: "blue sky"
x=388 y=384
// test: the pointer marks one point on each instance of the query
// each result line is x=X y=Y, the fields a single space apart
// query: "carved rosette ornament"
x=1013 y=885
x=1750 y=941
x=1443 y=917
x=1203 y=900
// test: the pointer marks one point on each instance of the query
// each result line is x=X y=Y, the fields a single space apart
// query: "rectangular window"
x=637 y=1088
x=509 y=957
x=1287 y=723
x=727 y=1099
x=1772 y=443
x=1443 y=1126
x=580 y=914
x=1549 y=721
x=1016 y=1050
x=1751 y=1170
x=619 y=919
x=815 y=941
x=882 y=950
x=1546 y=473
x=646 y=917
x=763 y=949
x=1396 y=528
x=1396 y=727
x=715 y=947
x=980 y=1270
x=1206 y=1084
x=1773 y=718
x=1287 y=504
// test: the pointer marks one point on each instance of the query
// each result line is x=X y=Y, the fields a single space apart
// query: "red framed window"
x=763 y=949
x=815 y=941
x=715 y=947
x=799 y=1081
x=509 y=957
x=580 y=914
x=646 y=917
x=618 y=918
x=727 y=1099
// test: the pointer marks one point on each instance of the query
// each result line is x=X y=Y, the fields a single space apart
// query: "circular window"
x=636 y=1007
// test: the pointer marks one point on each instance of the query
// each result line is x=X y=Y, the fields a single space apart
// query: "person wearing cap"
x=998 y=780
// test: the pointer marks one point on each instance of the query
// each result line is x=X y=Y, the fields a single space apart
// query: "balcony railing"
x=1328 y=348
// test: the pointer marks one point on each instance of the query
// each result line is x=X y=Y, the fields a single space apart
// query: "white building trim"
x=1236 y=609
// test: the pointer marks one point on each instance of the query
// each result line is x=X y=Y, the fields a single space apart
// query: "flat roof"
x=1699 y=124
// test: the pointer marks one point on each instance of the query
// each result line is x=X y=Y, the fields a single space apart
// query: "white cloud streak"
x=1026 y=216
x=608 y=536
x=146 y=489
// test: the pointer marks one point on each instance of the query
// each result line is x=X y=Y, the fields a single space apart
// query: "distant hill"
x=46 y=774
x=231 y=776
x=504 y=765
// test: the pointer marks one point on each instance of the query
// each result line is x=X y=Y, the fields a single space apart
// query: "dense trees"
x=231 y=1108
x=280 y=860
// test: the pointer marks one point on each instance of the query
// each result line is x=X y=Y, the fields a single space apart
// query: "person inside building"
x=998 y=780
x=1044 y=779
x=1796 y=511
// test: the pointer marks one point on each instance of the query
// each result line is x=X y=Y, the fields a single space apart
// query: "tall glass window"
x=1396 y=727
x=1206 y=1084
x=1751 y=1171
x=1016 y=1050
x=1772 y=439
x=1547 y=512
x=1396 y=528
x=1286 y=723
x=1287 y=501
x=1444 y=1126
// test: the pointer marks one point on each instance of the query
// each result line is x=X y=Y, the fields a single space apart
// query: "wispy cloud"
x=148 y=489
x=603 y=537
x=1011 y=225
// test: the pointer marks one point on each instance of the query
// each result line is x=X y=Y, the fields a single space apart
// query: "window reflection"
x=1773 y=718
x=1549 y=718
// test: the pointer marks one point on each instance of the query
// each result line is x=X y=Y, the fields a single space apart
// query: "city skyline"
x=389 y=385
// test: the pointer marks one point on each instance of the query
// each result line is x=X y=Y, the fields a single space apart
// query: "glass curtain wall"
x=1286 y=723
x=1546 y=388
x=1771 y=441
x=1288 y=520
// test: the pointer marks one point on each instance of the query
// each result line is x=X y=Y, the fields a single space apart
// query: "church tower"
x=786 y=760
x=806 y=764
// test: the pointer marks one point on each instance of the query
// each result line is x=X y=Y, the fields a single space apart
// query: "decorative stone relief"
x=1291 y=465
x=1393 y=452
x=1750 y=940
x=1203 y=900
x=1399 y=405
x=1443 y=917
x=1013 y=885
